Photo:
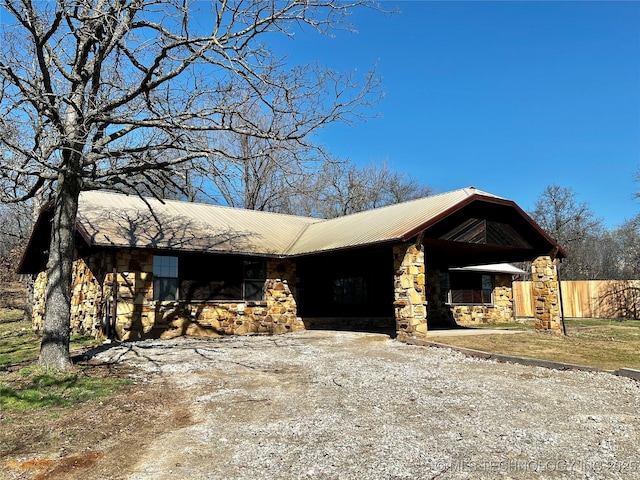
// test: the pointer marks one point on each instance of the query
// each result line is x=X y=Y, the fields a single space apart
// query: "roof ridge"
x=469 y=191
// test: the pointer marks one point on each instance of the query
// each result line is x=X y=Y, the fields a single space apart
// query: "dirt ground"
x=104 y=437
x=329 y=405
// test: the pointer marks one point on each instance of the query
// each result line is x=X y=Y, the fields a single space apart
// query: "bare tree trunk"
x=54 y=351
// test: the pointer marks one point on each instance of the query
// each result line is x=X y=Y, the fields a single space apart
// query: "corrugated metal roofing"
x=111 y=219
x=381 y=224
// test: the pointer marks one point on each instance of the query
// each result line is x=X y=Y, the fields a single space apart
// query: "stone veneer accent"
x=501 y=311
x=409 y=290
x=138 y=316
x=546 y=294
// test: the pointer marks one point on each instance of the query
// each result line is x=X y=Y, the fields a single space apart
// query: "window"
x=165 y=278
x=350 y=291
x=467 y=288
x=253 y=281
x=445 y=288
x=220 y=277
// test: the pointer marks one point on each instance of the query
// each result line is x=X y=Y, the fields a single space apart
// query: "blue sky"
x=505 y=96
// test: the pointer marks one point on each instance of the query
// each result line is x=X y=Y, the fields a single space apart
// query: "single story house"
x=150 y=268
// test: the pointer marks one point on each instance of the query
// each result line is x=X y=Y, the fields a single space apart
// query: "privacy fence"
x=587 y=299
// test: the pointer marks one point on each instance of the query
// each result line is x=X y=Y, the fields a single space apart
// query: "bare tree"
x=125 y=94
x=345 y=188
x=627 y=240
x=15 y=221
x=574 y=226
x=260 y=173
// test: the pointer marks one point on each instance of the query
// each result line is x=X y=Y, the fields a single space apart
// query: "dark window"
x=218 y=277
x=165 y=278
x=469 y=288
x=253 y=282
x=350 y=291
x=444 y=287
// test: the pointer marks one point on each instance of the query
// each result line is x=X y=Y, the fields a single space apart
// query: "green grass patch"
x=600 y=322
x=19 y=344
x=35 y=387
x=603 y=343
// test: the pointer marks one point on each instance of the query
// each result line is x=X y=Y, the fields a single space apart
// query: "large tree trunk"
x=54 y=351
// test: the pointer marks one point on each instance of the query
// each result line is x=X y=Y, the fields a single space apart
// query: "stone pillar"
x=546 y=294
x=409 y=291
x=281 y=307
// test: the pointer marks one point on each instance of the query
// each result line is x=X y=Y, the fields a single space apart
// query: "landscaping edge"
x=534 y=362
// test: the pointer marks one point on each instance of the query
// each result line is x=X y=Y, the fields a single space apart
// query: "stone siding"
x=410 y=290
x=39 y=298
x=546 y=294
x=139 y=316
x=501 y=311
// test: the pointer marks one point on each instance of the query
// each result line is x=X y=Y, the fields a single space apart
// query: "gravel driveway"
x=352 y=405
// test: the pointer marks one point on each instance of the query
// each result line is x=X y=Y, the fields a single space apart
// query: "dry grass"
x=598 y=343
x=12 y=295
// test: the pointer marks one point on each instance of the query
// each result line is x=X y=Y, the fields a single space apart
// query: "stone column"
x=409 y=291
x=546 y=294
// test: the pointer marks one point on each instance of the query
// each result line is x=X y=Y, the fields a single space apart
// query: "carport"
x=386 y=266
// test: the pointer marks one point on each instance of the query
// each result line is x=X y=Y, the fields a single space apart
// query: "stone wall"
x=501 y=311
x=39 y=297
x=546 y=294
x=87 y=300
x=139 y=316
x=410 y=290
x=284 y=269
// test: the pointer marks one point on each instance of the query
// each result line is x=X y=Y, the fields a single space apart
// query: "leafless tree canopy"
x=119 y=84
x=595 y=252
x=130 y=94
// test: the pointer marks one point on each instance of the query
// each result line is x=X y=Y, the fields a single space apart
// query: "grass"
x=18 y=343
x=34 y=387
x=604 y=343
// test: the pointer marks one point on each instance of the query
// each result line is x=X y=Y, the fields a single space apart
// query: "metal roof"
x=393 y=222
x=111 y=219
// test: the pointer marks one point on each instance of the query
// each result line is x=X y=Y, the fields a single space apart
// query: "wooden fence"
x=587 y=299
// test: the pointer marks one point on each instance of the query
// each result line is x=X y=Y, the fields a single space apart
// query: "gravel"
x=354 y=405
